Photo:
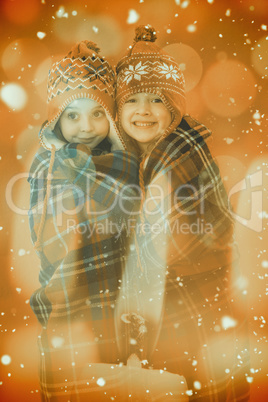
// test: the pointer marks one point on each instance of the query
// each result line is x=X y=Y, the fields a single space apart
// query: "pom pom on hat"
x=83 y=50
x=145 y=33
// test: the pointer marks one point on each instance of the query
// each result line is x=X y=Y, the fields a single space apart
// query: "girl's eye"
x=98 y=114
x=157 y=100
x=131 y=100
x=73 y=116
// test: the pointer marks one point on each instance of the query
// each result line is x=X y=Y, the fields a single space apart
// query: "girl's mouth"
x=143 y=124
x=86 y=140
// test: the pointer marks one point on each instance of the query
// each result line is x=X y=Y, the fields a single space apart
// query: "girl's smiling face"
x=84 y=121
x=144 y=117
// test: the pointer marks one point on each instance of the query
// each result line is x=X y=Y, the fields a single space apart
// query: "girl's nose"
x=143 y=108
x=86 y=124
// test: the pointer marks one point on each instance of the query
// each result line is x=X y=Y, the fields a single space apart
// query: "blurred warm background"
x=222 y=47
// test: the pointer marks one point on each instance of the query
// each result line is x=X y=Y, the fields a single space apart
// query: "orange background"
x=222 y=48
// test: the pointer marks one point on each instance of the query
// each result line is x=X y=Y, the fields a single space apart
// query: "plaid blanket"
x=185 y=258
x=82 y=255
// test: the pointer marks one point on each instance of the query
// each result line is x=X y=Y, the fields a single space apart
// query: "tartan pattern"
x=80 y=267
x=85 y=190
x=198 y=271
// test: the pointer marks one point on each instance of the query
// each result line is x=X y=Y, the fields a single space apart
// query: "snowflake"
x=61 y=74
x=169 y=71
x=134 y=73
x=95 y=73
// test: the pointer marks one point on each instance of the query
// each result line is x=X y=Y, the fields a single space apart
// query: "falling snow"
x=229 y=140
x=41 y=35
x=5 y=360
x=234 y=33
x=133 y=16
x=61 y=13
x=101 y=382
x=228 y=322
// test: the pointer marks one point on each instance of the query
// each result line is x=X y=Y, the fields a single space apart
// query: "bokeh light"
x=98 y=28
x=14 y=96
x=5 y=359
x=232 y=172
x=259 y=57
x=23 y=259
x=27 y=144
x=21 y=12
x=41 y=77
x=191 y=28
x=21 y=349
x=228 y=88
x=253 y=204
x=189 y=62
x=220 y=41
x=194 y=103
x=14 y=126
x=21 y=57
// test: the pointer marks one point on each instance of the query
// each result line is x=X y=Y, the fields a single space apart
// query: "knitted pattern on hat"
x=82 y=73
x=148 y=68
